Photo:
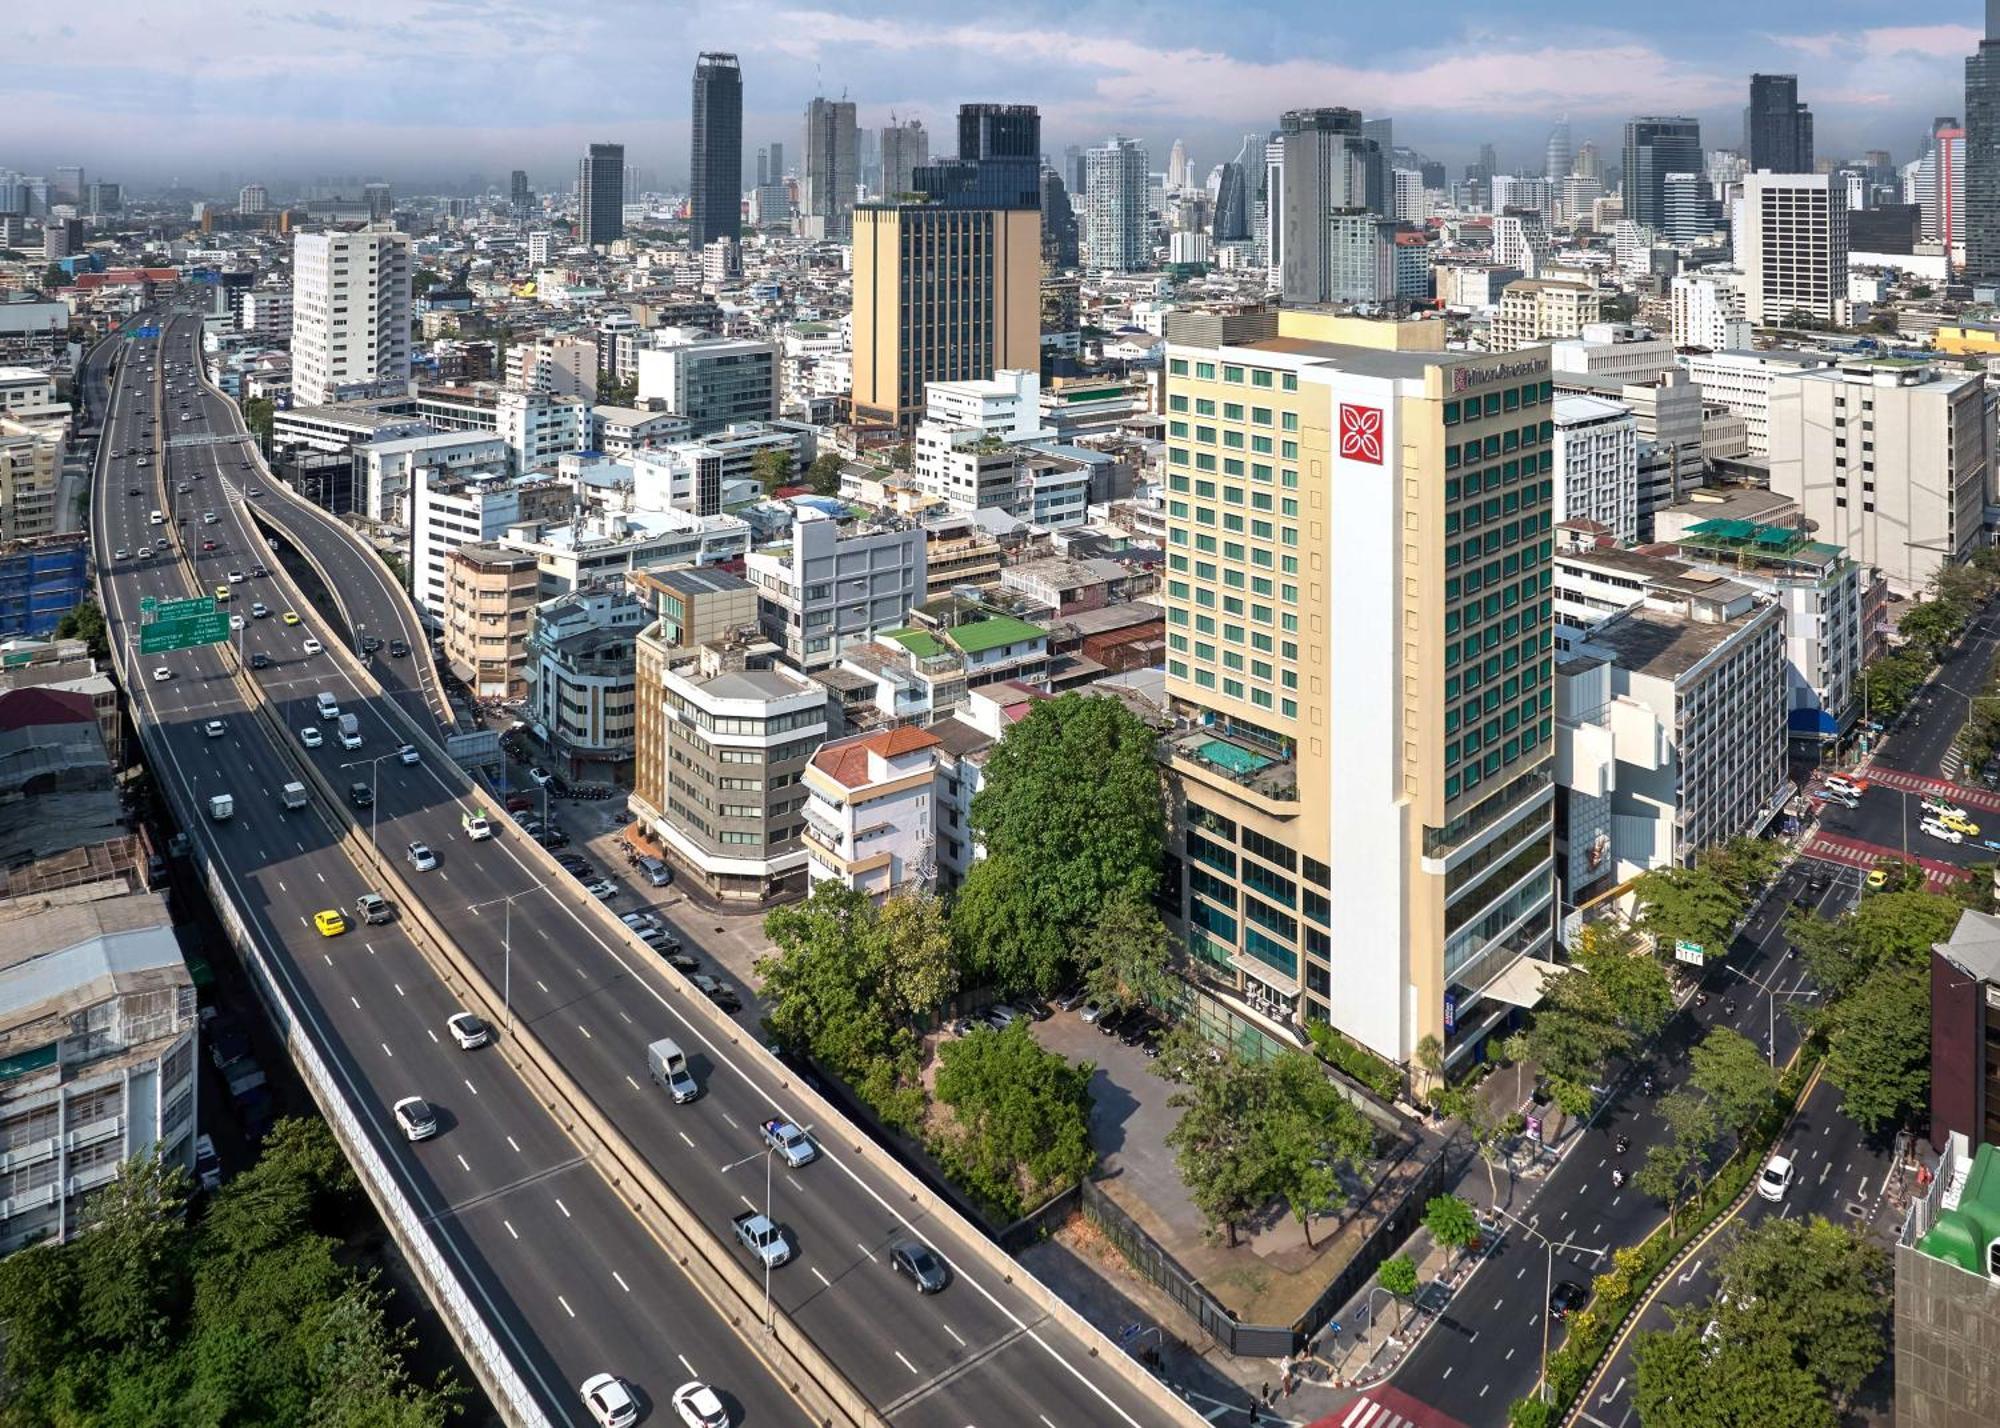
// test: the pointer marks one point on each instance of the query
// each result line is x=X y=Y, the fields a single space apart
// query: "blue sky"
x=438 y=89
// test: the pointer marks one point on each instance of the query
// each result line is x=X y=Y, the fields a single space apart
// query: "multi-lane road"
x=570 y=1275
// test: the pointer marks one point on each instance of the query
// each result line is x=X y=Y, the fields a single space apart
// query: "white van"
x=329 y=707
x=156 y=519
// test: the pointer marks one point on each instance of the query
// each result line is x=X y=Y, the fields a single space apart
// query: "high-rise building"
x=252 y=198
x=1941 y=184
x=1708 y=312
x=1374 y=717
x=1557 y=158
x=826 y=196
x=1794 y=250
x=1521 y=241
x=1060 y=247
x=905 y=149
x=1114 y=224
x=350 y=315
x=380 y=204
x=519 y=194
x=1321 y=163
x=1178 y=174
x=1587 y=163
x=600 y=192
x=1777 y=128
x=1692 y=214
x=1407 y=203
x=1982 y=152
x=104 y=198
x=1656 y=146
x=715 y=157
x=1232 y=204
x=68 y=185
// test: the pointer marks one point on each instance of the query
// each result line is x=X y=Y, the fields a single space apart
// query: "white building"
x=581 y=670
x=350 y=315
x=1708 y=312
x=1006 y=406
x=836 y=583
x=1741 y=381
x=540 y=429
x=607 y=545
x=1613 y=349
x=383 y=467
x=1794 y=248
x=268 y=313
x=560 y=366
x=1114 y=206
x=872 y=804
x=1597 y=465
x=1521 y=240
x=712 y=381
x=1892 y=460
x=448 y=511
x=620 y=431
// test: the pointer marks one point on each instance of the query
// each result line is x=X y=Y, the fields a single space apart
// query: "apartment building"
x=607 y=546
x=871 y=810
x=450 y=510
x=490 y=593
x=581 y=680
x=839 y=581
x=384 y=466
x=267 y=313
x=1891 y=459
x=31 y=458
x=1597 y=465
x=1708 y=312
x=539 y=428
x=620 y=431
x=1533 y=310
x=350 y=315
x=690 y=607
x=1399 y=769
x=560 y=366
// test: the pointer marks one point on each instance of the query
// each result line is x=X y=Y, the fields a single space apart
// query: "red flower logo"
x=1361 y=434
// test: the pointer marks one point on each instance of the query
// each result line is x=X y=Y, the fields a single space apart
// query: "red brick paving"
x=1854 y=853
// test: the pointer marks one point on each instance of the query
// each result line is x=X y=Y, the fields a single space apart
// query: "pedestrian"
x=1253 y=1413
x=1264 y=1393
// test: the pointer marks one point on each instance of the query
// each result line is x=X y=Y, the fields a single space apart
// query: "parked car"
x=1069 y=1000
x=1089 y=1012
x=1000 y=1016
x=723 y=996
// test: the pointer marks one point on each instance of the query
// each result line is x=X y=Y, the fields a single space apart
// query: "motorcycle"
x=1647 y=1085
x=1618 y=1179
x=1624 y=1144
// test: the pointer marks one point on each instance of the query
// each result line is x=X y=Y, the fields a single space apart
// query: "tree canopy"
x=824 y=474
x=1613 y=993
x=1127 y=956
x=1735 y=1075
x=1688 y=905
x=1023 y=1115
x=1878 y=1049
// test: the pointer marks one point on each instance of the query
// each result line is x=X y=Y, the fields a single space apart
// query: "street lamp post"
x=507 y=945
x=1548 y=1281
x=766 y=1153
x=1771 y=995
x=374 y=792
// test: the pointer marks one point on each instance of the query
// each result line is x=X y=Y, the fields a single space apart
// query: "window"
x=1290 y=421
x=1204 y=407
x=1260 y=377
x=1205 y=371
x=1177 y=367
x=1233 y=374
x=1290 y=382
x=1232 y=411
x=1260 y=416
x=1177 y=403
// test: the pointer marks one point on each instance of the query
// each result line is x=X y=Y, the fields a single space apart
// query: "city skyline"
x=410 y=95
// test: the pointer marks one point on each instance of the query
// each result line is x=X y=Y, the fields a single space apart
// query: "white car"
x=215 y=728
x=1776 y=1178
x=698 y=1406
x=416 y=1118
x=421 y=857
x=121 y=554
x=1940 y=831
x=312 y=646
x=235 y=622
x=259 y=610
x=311 y=737
x=610 y=1402
x=1942 y=809
x=162 y=675
x=468 y=1030
x=236 y=577
x=542 y=777
x=602 y=888
x=476 y=826
x=408 y=754
x=145 y=552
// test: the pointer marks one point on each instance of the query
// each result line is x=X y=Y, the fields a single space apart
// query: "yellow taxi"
x=291 y=617
x=1878 y=878
x=222 y=594
x=1959 y=823
x=331 y=922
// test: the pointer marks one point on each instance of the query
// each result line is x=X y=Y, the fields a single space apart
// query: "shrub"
x=1363 y=1065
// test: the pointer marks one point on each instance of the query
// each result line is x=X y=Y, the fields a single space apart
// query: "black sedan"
x=1566 y=1298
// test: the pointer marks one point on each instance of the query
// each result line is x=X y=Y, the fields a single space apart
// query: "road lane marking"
x=954 y=1333
x=586 y=1032
x=510 y=1228
x=352 y=998
x=913 y=1368
x=386 y=1051
x=431 y=1034
x=540 y=983
x=464 y=1166
x=621 y=1281
x=732 y=1121
x=684 y=1137
x=748 y=1201
x=565 y=1304
x=635 y=1086
x=865 y=1250
x=511 y=1141
x=470 y=1087
x=686 y=1365
x=399 y=988
x=564 y=1208
x=829 y=1284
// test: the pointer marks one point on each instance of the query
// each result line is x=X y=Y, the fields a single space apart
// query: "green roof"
x=994 y=632
x=921 y=643
x=1961 y=1236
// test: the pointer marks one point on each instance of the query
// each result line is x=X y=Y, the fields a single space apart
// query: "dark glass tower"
x=1777 y=129
x=600 y=192
x=715 y=160
x=1982 y=153
x=999 y=163
x=1654 y=148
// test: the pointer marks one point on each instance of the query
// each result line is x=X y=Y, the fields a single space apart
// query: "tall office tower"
x=1114 y=205
x=252 y=198
x=68 y=185
x=1377 y=718
x=1794 y=254
x=518 y=193
x=1060 y=247
x=1777 y=128
x=905 y=149
x=1232 y=204
x=104 y=198
x=600 y=193
x=1382 y=134
x=1941 y=183
x=1323 y=164
x=1361 y=256
x=1535 y=193
x=350 y=315
x=1656 y=146
x=1588 y=163
x=379 y=202
x=763 y=167
x=1406 y=204
x=777 y=163
x=1557 y=158
x=1692 y=214
x=1178 y=175
x=715 y=157
x=826 y=197
x=1981 y=147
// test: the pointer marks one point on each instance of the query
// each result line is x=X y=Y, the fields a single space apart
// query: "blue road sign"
x=145 y=332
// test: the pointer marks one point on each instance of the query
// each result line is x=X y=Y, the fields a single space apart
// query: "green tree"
x=773 y=468
x=919 y=963
x=85 y=621
x=1399 y=1277
x=1223 y=1161
x=1071 y=816
x=1312 y=1132
x=1679 y=1381
x=1687 y=905
x=1888 y=929
x=1531 y=1413
x=824 y=474
x=1451 y=1221
x=54 y=277
x=1933 y=625
x=1818 y=1287
x=1127 y=956
x=1490 y=1133
x=1744 y=864
x=424 y=279
x=1735 y=1075
x=260 y=416
x=1593 y=1011
x=1677 y=1166
x=1019 y=1108
x=1878 y=1047
x=1633 y=982
x=1516 y=1049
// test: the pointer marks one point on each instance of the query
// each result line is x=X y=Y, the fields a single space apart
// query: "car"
x=723 y=996
x=552 y=838
x=1941 y=830
x=235 y=622
x=639 y=921
x=398 y=649
x=259 y=610
x=1775 y=1179
x=291 y=617
x=1138 y=1028
x=1819 y=881
x=259 y=660
x=131 y=490
x=1566 y=1298
x=922 y=1264
x=574 y=863
x=215 y=728
x=1847 y=787
x=237 y=577
x=697 y=1406
x=793 y=1145
x=311 y=737
x=369 y=644
x=421 y=857
x=476 y=826
x=679 y=960
x=407 y=753
x=360 y=795
x=1069 y=1000
x=145 y=552
x=311 y=646
x=255 y=492
x=468 y=1030
x=330 y=921
x=121 y=554
x=416 y=1118
x=1878 y=878
x=519 y=803
x=1114 y=1022
x=542 y=777
x=602 y=888
x=610 y=1402
x=1090 y=1012
x=1000 y=1016
x=162 y=674
x=1958 y=822
x=259 y=572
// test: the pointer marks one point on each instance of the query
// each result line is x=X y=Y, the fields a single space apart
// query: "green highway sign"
x=179 y=609
x=147 y=604
x=163 y=636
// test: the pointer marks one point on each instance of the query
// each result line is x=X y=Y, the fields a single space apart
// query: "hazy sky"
x=434 y=90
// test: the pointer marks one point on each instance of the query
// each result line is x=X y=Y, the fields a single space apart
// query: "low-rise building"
x=620 y=431
x=871 y=811
x=383 y=466
x=490 y=593
x=581 y=675
x=607 y=545
x=839 y=581
x=1535 y=309
x=1948 y=1289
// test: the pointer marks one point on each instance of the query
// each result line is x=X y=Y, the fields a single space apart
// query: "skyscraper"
x=1794 y=251
x=1177 y=167
x=826 y=194
x=1981 y=147
x=68 y=187
x=1777 y=128
x=715 y=157
x=1587 y=164
x=1557 y=157
x=518 y=193
x=905 y=149
x=999 y=161
x=1322 y=163
x=1059 y=237
x=350 y=315
x=1232 y=204
x=1114 y=225
x=600 y=194
x=1656 y=146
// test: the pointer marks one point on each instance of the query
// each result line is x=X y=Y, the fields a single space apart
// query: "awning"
x=1264 y=972
x=1521 y=984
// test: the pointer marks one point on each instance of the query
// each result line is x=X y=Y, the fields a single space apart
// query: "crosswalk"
x=1387 y=1407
